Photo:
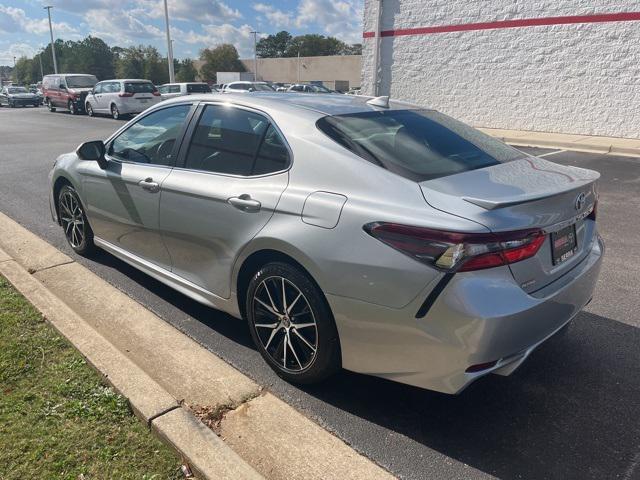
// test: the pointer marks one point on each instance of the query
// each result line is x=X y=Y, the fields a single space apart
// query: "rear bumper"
x=479 y=317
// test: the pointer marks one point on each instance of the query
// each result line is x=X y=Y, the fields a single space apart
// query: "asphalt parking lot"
x=571 y=411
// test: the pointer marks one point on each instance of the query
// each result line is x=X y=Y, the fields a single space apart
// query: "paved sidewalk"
x=580 y=143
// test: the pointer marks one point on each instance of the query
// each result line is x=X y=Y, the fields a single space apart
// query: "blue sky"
x=195 y=24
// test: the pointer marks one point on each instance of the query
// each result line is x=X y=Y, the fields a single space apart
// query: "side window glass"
x=151 y=140
x=97 y=88
x=174 y=89
x=163 y=89
x=273 y=155
x=226 y=141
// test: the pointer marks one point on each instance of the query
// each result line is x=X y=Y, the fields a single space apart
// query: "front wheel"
x=89 y=109
x=115 y=113
x=291 y=324
x=72 y=108
x=74 y=222
x=50 y=105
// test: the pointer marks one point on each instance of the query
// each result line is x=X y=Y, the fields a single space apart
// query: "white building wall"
x=580 y=78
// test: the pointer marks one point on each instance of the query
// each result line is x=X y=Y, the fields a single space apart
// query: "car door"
x=94 y=96
x=123 y=200
x=223 y=191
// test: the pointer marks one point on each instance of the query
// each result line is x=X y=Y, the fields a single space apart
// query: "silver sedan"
x=376 y=236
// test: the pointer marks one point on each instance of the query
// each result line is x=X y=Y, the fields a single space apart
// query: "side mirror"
x=93 y=151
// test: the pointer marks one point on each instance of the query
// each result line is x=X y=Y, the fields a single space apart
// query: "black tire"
x=74 y=222
x=115 y=113
x=89 y=109
x=72 y=108
x=50 y=105
x=294 y=332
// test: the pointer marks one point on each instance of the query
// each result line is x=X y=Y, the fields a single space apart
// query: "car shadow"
x=570 y=411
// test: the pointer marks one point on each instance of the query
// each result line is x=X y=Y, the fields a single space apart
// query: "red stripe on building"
x=524 y=22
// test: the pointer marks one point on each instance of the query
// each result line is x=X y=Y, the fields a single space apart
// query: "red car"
x=67 y=91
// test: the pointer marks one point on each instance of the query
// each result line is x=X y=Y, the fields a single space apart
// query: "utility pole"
x=172 y=75
x=15 y=72
x=41 y=69
x=53 y=48
x=298 y=64
x=255 y=56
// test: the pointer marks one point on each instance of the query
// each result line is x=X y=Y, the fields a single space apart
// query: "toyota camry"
x=349 y=232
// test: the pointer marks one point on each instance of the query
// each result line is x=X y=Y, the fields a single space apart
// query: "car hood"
x=22 y=95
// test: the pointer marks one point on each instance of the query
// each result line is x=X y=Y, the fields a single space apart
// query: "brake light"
x=156 y=93
x=125 y=94
x=456 y=251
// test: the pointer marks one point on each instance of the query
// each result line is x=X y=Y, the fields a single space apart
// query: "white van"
x=121 y=97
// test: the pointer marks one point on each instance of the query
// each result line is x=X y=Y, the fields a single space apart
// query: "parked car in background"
x=121 y=97
x=35 y=88
x=378 y=236
x=355 y=91
x=171 y=90
x=300 y=88
x=67 y=91
x=18 y=97
x=245 y=87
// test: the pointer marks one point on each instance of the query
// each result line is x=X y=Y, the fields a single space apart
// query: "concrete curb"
x=163 y=373
x=628 y=147
x=207 y=454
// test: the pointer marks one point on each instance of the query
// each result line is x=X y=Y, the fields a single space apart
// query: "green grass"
x=57 y=420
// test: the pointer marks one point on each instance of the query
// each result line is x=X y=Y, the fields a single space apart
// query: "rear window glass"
x=81 y=81
x=17 y=90
x=416 y=144
x=198 y=88
x=139 y=87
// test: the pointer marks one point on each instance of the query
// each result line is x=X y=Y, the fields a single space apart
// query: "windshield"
x=17 y=90
x=198 y=88
x=416 y=144
x=319 y=89
x=262 y=87
x=139 y=87
x=81 y=81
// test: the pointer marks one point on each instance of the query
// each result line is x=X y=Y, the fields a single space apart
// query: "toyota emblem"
x=580 y=201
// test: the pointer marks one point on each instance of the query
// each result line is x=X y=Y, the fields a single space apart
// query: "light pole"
x=255 y=56
x=172 y=75
x=53 y=48
x=15 y=72
x=41 y=69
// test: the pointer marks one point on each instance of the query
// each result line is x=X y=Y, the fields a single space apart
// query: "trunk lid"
x=522 y=194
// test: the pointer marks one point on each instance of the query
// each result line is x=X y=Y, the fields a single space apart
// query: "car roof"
x=337 y=104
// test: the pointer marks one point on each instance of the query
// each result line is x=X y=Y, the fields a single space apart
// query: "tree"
x=186 y=72
x=23 y=72
x=223 y=58
x=274 y=46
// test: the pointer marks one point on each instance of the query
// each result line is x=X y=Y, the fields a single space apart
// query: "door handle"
x=245 y=203
x=149 y=185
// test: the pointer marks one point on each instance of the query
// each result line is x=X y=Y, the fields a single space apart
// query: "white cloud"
x=212 y=11
x=277 y=18
x=16 y=50
x=14 y=20
x=338 y=18
x=120 y=26
x=214 y=35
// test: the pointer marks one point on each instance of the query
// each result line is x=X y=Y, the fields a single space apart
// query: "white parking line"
x=550 y=153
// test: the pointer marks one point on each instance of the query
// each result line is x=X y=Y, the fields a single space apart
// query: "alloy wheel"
x=72 y=219
x=114 y=112
x=285 y=324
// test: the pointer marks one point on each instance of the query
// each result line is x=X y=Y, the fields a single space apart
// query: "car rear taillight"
x=156 y=93
x=125 y=94
x=456 y=251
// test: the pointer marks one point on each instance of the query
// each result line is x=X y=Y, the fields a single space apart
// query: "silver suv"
x=121 y=97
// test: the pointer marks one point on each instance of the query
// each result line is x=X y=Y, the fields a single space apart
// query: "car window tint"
x=139 y=87
x=417 y=144
x=273 y=155
x=226 y=140
x=152 y=138
x=174 y=88
x=198 y=88
x=97 y=88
